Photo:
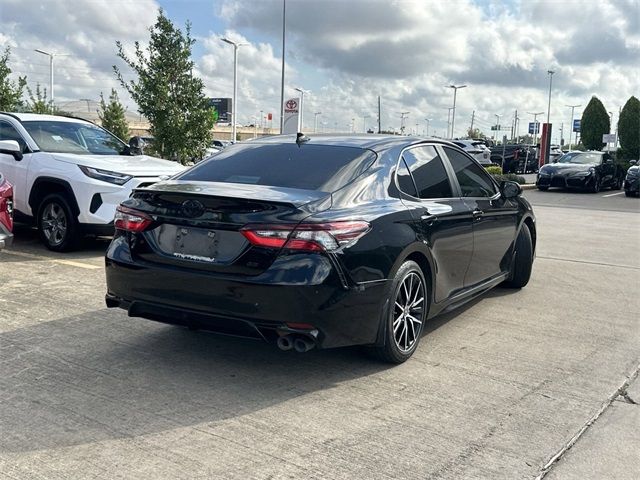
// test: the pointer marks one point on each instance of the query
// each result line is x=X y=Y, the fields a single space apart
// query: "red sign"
x=270 y=116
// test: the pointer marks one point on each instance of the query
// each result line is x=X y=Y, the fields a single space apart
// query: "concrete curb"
x=528 y=186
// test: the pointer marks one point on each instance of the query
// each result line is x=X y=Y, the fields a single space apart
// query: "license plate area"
x=199 y=244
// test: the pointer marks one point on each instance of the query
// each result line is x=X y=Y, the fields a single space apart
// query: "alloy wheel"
x=408 y=312
x=54 y=223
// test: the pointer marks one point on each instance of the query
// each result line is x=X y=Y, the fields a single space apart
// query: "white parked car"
x=477 y=149
x=69 y=175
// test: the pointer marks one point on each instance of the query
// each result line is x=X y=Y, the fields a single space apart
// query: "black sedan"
x=585 y=170
x=632 y=181
x=320 y=242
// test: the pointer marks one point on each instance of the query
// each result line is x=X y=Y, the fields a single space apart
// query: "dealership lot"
x=496 y=389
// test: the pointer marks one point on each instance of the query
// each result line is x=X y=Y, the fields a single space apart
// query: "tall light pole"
x=428 y=120
x=364 y=123
x=403 y=115
x=573 y=107
x=497 y=124
x=284 y=23
x=51 y=56
x=234 y=100
x=315 y=121
x=302 y=92
x=550 y=72
x=453 y=117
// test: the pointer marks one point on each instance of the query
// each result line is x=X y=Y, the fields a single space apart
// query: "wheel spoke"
x=417 y=302
x=414 y=319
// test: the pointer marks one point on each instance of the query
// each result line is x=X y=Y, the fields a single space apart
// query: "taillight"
x=131 y=220
x=311 y=237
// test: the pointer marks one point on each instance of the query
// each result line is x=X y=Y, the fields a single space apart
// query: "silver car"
x=477 y=149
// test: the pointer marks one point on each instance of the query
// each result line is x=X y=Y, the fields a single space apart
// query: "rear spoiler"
x=288 y=196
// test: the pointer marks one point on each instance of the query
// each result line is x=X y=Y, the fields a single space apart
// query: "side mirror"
x=510 y=189
x=633 y=162
x=137 y=144
x=11 y=147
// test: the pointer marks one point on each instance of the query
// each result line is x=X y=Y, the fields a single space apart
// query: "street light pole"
x=571 y=124
x=315 y=121
x=550 y=72
x=428 y=120
x=497 y=124
x=234 y=104
x=403 y=115
x=51 y=57
x=284 y=17
x=453 y=117
x=302 y=92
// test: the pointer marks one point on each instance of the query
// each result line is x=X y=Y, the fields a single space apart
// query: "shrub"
x=512 y=177
x=494 y=170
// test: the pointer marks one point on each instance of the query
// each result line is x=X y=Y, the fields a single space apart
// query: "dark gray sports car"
x=586 y=170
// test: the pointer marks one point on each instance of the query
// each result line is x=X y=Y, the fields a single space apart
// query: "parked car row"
x=632 y=180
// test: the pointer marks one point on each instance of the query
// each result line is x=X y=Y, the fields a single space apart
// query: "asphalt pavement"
x=517 y=384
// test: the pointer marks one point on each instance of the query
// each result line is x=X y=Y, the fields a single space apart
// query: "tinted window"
x=7 y=132
x=473 y=179
x=428 y=172
x=405 y=182
x=309 y=167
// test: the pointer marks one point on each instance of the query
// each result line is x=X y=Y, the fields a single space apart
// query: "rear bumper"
x=257 y=307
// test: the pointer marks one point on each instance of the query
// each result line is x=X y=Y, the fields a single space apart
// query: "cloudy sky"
x=347 y=52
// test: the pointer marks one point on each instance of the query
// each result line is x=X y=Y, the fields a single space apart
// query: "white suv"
x=69 y=174
x=477 y=149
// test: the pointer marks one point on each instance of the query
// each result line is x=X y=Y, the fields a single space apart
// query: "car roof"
x=375 y=142
x=31 y=117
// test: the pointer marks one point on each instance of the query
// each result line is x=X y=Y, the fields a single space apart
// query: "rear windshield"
x=309 y=167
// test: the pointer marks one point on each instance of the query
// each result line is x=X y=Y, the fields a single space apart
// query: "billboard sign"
x=291 y=122
x=223 y=108
x=609 y=138
x=534 y=128
x=576 y=125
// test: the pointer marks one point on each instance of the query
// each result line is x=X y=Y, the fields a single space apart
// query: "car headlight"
x=105 y=175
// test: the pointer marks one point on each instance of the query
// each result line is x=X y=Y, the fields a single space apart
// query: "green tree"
x=595 y=123
x=38 y=103
x=629 y=129
x=475 y=133
x=167 y=92
x=112 y=116
x=10 y=91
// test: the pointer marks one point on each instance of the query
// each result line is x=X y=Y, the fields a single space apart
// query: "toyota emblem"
x=192 y=208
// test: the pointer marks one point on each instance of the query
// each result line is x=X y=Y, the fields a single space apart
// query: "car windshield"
x=580 y=157
x=74 y=137
x=310 y=167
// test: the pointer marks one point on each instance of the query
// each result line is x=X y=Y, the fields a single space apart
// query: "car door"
x=494 y=219
x=15 y=170
x=441 y=218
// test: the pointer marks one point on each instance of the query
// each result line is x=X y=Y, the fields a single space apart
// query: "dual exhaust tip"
x=299 y=343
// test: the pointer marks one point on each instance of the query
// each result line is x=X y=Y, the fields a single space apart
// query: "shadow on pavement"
x=102 y=375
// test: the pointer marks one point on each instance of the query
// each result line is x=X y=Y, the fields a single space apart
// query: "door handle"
x=428 y=219
x=477 y=214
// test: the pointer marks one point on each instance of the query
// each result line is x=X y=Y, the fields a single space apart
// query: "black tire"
x=523 y=261
x=398 y=348
x=543 y=189
x=57 y=225
x=595 y=186
x=629 y=193
x=617 y=185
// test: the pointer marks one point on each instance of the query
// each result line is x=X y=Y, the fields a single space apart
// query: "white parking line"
x=612 y=194
x=71 y=263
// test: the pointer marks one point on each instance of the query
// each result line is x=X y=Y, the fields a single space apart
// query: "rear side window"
x=309 y=167
x=428 y=172
x=405 y=182
x=473 y=179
